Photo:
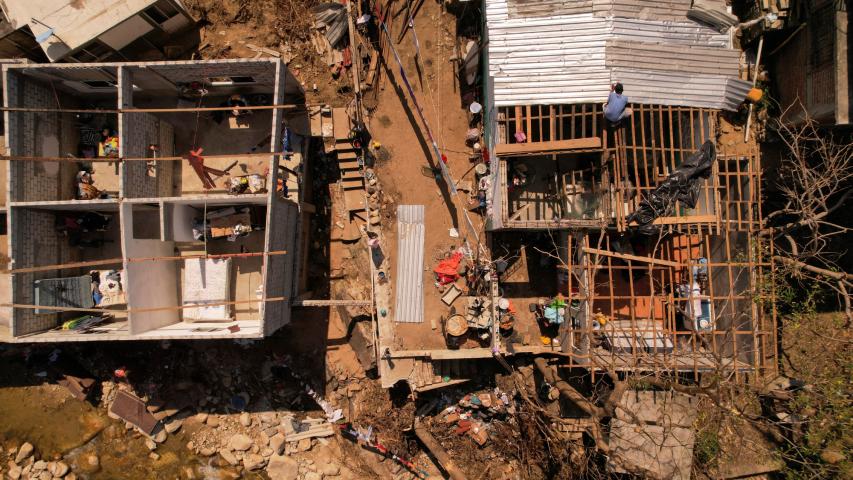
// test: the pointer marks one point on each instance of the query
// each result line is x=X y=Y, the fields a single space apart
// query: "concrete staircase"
x=352 y=178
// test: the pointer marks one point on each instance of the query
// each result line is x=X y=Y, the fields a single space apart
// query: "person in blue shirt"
x=616 y=107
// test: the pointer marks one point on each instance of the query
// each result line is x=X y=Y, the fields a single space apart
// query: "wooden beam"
x=293 y=106
x=140 y=310
x=112 y=261
x=625 y=256
x=333 y=303
x=135 y=159
x=590 y=144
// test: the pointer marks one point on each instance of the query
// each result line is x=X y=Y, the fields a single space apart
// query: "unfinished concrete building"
x=680 y=292
x=162 y=203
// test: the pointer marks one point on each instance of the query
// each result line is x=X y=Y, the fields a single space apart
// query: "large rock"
x=269 y=418
x=174 y=425
x=330 y=469
x=240 y=442
x=229 y=456
x=245 y=419
x=253 y=461
x=59 y=469
x=160 y=436
x=89 y=463
x=282 y=467
x=15 y=473
x=24 y=452
x=277 y=443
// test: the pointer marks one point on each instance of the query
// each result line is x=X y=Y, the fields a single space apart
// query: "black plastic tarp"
x=682 y=185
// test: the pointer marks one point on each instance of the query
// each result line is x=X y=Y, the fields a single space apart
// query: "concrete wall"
x=149 y=284
x=280 y=271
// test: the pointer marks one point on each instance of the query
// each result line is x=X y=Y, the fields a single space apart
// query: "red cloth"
x=448 y=269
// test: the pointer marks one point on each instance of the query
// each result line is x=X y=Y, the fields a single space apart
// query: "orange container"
x=755 y=95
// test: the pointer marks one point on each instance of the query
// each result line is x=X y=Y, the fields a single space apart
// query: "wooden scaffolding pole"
x=134 y=159
x=291 y=106
x=142 y=310
x=113 y=261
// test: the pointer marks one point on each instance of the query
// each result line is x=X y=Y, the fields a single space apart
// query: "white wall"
x=125 y=32
x=182 y=222
x=150 y=284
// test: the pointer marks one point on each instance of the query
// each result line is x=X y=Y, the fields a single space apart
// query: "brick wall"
x=263 y=71
x=139 y=130
x=280 y=271
x=35 y=243
x=38 y=134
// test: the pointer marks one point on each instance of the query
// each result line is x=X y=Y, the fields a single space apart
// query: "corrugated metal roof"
x=573 y=58
x=409 y=306
x=547 y=8
x=671 y=58
x=680 y=89
x=645 y=9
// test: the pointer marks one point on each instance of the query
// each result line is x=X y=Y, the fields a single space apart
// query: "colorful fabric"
x=447 y=270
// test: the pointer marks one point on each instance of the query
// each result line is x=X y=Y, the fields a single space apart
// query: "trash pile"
x=474 y=412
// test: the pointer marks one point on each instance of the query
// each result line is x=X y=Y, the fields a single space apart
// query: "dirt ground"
x=230 y=27
x=396 y=126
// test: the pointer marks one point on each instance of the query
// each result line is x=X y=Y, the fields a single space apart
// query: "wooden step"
x=349 y=173
x=353 y=184
x=354 y=200
x=344 y=143
x=341 y=123
x=347 y=155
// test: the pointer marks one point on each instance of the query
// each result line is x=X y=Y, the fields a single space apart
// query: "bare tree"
x=814 y=182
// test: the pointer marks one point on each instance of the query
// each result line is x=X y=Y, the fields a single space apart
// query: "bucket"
x=755 y=95
x=456 y=326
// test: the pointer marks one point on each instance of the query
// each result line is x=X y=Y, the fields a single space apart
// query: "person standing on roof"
x=616 y=107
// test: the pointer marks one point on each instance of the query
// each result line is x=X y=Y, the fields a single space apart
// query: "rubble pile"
x=24 y=462
x=472 y=415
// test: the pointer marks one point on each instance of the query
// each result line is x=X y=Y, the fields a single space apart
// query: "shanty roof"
x=74 y=22
x=409 y=306
x=570 y=51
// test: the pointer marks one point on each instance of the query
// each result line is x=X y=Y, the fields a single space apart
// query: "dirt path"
x=396 y=125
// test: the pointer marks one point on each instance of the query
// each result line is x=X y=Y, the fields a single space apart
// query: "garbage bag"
x=682 y=185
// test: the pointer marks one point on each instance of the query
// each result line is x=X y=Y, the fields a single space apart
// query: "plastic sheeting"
x=682 y=185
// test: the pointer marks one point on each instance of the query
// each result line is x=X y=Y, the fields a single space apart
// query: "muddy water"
x=59 y=425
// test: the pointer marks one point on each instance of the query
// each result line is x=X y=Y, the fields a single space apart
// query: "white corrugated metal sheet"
x=409 y=306
x=680 y=89
x=573 y=58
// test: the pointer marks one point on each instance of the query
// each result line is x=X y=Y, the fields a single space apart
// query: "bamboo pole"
x=625 y=256
x=291 y=106
x=111 y=261
x=134 y=159
x=142 y=310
